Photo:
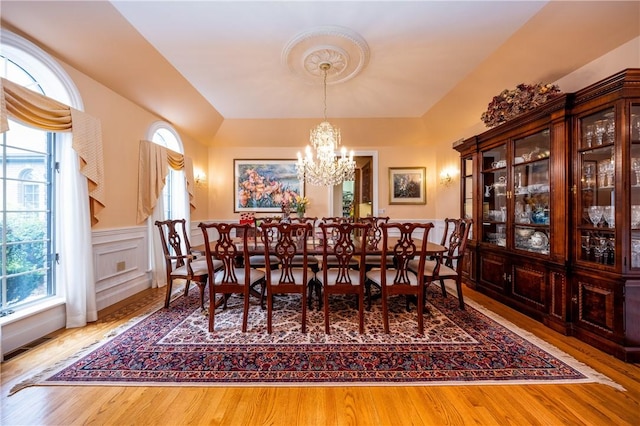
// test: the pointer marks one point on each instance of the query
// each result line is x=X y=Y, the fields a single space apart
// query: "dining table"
x=315 y=247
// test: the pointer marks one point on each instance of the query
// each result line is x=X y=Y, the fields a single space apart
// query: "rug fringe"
x=111 y=334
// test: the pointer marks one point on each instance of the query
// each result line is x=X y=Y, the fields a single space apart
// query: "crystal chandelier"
x=325 y=168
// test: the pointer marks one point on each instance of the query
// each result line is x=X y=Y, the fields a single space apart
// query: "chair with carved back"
x=336 y=220
x=312 y=261
x=449 y=264
x=221 y=244
x=288 y=242
x=410 y=244
x=180 y=263
x=373 y=238
x=338 y=276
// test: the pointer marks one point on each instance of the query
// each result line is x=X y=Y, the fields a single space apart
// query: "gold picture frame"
x=407 y=185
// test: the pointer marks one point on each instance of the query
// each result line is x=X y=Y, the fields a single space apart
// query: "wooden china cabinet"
x=555 y=196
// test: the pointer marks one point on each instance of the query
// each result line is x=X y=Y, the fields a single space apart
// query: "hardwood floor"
x=590 y=404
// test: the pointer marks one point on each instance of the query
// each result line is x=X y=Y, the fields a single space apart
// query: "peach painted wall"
x=399 y=143
x=124 y=124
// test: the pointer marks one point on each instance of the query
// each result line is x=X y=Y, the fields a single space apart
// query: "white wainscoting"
x=121 y=264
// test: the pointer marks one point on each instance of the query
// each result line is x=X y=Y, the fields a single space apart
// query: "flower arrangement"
x=300 y=204
x=511 y=103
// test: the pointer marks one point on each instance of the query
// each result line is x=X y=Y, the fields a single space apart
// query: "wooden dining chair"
x=256 y=259
x=231 y=278
x=353 y=263
x=410 y=243
x=449 y=264
x=290 y=277
x=180 y=263
x=373 y=238
x=315 y=287
x=338 y=276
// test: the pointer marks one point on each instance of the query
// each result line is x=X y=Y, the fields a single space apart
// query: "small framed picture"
x=263 y=185
x=407 y=185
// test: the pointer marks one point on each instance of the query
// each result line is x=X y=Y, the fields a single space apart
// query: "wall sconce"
x=446 y=176
x=200 y=178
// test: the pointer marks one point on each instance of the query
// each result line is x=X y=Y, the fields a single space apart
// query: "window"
x=27 y=213
x=174 y=192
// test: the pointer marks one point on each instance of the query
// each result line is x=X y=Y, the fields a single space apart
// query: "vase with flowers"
x=511 y=103
x=300 y=204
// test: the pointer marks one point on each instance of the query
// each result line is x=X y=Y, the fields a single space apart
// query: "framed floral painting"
x=264 y=185
x=407 y=185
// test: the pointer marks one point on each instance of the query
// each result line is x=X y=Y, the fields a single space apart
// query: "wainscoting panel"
x=121 y=264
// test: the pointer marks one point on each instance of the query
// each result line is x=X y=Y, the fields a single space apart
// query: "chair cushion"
x=255 y=275
x=332 y=276
x=298 y=260
x=199 y=267
x=429 y=267
x=297 y=274
x=258 y=260
x=375 y=275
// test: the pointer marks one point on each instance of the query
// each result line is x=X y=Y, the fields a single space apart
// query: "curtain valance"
x=154 y=162
x=40 y=111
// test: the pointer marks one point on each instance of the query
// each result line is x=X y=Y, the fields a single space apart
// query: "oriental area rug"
x=173 y=347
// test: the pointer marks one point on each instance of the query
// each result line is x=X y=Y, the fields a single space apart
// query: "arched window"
x=45 y=225
x=174 y=200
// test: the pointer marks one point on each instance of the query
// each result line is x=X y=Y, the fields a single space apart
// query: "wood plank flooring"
x=588 y=404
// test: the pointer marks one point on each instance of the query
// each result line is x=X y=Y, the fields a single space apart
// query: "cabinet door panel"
x=558 y=305
x=529 y=284
x=596 y=305
x=493 y=272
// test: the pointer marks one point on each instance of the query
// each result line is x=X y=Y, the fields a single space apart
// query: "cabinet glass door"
x=467 y=182
x=494 y=198
x=635 y=186
x=596 y=203
x=531 y=188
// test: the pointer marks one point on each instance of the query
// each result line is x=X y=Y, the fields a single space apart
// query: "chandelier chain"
x=325 y=168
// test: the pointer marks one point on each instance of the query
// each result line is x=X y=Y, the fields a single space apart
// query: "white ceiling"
x=198 y=63
x=231 y=52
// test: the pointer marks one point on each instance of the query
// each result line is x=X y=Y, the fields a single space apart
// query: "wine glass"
x=595 y=214
x=635 y=216
x=589 y=135
x=611 y=130
x=635 y=166
x=600 y=131
x=609 y=215
x=586 y=246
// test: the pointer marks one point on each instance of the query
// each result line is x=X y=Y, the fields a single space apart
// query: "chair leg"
x=212 y=308
x=444 y=290
x=186 y=288
x=168 y=297
x=245 y=315
x=385 y=313
x=361 y=311
x=304 y=311
x=459 y=289
x=263 y=289
x=420 y=310
x=202 y=286
x=269 y=312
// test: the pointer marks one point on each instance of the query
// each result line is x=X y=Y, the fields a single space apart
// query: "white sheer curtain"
x=76 y=259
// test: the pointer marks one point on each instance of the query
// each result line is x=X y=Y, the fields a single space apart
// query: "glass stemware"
x=609 y=216
x=635 y=166
x=635 y=216
x=595 y=214
x=600 y=131
x=611 y=131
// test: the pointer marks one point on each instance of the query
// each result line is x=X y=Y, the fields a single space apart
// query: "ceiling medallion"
x=345 y=50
